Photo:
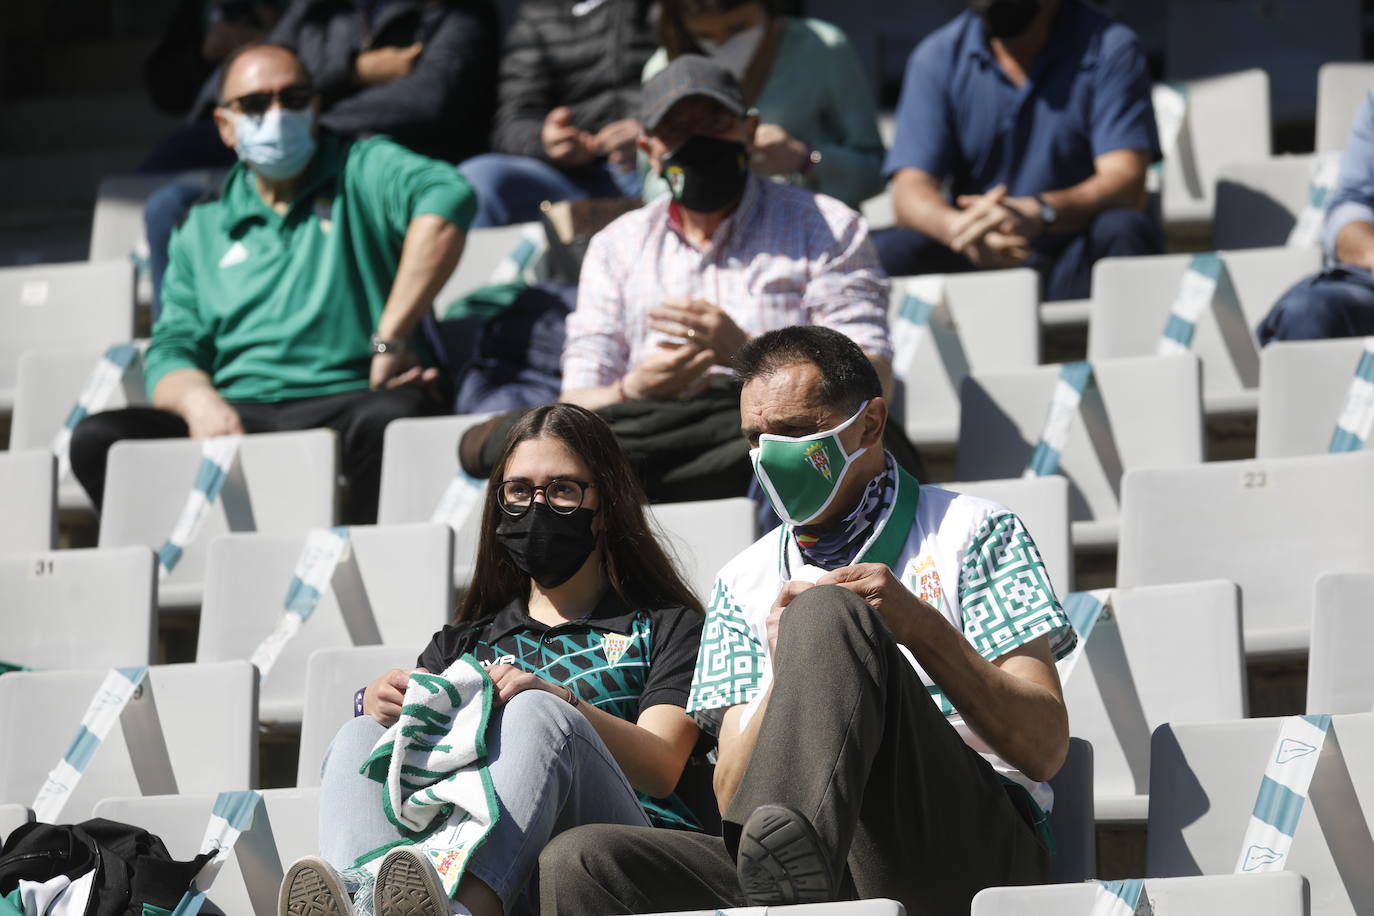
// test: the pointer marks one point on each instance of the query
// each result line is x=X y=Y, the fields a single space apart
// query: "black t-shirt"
x=618 y=658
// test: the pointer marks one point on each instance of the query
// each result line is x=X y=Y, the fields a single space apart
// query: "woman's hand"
x=383 y=698
x=509 y=680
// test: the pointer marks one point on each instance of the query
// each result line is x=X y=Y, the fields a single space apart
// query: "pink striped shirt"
x=784 y=257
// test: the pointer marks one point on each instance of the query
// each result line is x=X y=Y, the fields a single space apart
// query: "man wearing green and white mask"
x=897 y=638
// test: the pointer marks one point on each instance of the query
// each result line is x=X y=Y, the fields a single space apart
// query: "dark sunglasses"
x=255 y=104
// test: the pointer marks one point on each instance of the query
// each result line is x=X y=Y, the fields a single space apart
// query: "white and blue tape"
x=520 y=264
x=1357 y=415
x=1170 y=101
x=218 y=455
x=1283 y=793
x=923 y=303
x=1307 y=229
x=231 y=817
x=1084 y=610
x=104 y=710
x=324 y=549
x=1126 y=897
x=107 y=375
x=1197 y=292
x=1074 y=379
x=461 y=505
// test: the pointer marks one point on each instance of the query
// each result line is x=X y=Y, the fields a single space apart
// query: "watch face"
x=1047 y=214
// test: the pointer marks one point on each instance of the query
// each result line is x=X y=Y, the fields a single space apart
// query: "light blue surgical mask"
x=278 y=145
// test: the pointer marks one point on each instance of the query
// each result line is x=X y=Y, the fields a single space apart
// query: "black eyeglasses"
x=256 y=104
x=563 y=495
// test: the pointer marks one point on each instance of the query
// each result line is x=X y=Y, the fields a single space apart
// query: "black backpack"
x=132 y=866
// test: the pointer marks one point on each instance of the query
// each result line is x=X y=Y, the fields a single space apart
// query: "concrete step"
x=61 y=181
x=74 y=123
x=104 y=65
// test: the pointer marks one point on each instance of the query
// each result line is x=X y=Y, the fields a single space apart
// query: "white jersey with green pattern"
x=969 y=558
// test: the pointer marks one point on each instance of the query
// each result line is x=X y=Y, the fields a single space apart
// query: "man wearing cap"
x=670 y=292
x=880 y=673
x=294 y=300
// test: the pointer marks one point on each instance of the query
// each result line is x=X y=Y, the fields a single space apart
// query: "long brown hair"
x=673 y=36
x=637 y=567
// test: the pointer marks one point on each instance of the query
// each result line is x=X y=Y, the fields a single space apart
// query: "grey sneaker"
x=781 y=860
x=312 y=888
x=408 y=885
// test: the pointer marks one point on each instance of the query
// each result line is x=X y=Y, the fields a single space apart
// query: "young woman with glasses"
x=589 y=635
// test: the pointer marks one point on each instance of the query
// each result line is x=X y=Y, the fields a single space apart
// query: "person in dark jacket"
x=589 y=635
x=565 y=122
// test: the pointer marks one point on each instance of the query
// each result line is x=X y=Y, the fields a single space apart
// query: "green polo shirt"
x=277 y=307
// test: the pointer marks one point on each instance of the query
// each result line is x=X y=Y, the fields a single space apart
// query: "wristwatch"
x=813 y=159
x=381 y=345
x=1048 y=214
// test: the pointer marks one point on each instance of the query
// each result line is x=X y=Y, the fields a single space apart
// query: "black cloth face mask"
x=707 y=174
x=1005 y=18
x=548 y=547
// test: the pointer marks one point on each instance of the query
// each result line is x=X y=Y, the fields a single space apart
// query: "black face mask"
x=548 y=547
x=707 y=174
x=1005 y=18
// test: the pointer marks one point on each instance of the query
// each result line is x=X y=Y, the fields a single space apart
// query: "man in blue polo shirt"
x=1037 y=113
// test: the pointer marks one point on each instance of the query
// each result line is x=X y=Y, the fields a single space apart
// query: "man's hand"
x=565 y=143
x=383 y=697
x=616 y=141
x=396 y=370
x=671 y=371
x=875 y=583
x=701 y=324
x=207 y=414
x=508 y=681
x=382 y=65
x=790 y=590
x=776 y=152
x=997 y=250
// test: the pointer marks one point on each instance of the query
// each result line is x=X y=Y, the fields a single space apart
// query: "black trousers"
x=851 y=739
x=359 y=417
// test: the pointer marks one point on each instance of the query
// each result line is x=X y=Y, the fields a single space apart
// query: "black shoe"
x=781 y=860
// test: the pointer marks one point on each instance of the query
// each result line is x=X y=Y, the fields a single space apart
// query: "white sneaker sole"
x=312 y=888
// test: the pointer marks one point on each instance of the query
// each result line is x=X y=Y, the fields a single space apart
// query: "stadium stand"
x=79 y=608
x=1136 y=674
x=1339 y=677
x=285 y=827
x=1304 y=390
x=1341 y=87
x=1271 y=526
x=1144 y=412
x=1275 y=894
x=1258 y=200
x=1133 y=299
x=287 y=485
x=1043 y=504
x=392 y=586
x=987 y=321
x=209 y=750
x=703 y=536
x=62 y=305
x=1204 y=779
x=29 y=522
x=332 y=676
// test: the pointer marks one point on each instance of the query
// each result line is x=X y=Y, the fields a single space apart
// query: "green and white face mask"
x=802 y=475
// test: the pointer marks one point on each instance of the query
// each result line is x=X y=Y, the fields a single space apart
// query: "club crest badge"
x=614 y=646
x=819 y=458
x=675 y=179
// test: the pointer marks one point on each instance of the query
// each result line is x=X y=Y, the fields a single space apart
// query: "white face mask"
x=278 y=145
x=735 y=53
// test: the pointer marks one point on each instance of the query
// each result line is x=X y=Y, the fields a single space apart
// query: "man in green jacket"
x=293 y=300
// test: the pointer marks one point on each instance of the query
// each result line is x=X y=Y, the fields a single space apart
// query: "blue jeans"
x=1337 y=302
x=550 y=769
x=164 y=210
x=511 y=188
x=1065 y=263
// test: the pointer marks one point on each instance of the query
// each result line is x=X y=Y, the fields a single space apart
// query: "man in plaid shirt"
x=670 y=292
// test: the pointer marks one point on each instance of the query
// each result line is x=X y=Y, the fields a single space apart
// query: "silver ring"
x=691 y=332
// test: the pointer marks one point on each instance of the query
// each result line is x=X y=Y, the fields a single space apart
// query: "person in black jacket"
x=590 y=637
x=565 y=121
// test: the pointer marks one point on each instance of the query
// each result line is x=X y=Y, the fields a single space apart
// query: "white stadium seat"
x=29 y=520
x=1043 y=505
x=1204 y=779
x=1072 y=818
x=846 y=908
x=1133 y=298
x=1280 y=893
x=703 y=536
x=484 y=250
x=332 y=676
x=1339 y=676
x=1303 y=387
x=12 y=816
x=79 y=608
x=1271 y=526
x=1140 y=672
x=399 y=581
x=1153 y=413
x=290 y=481
x=1259 y=199
x=1341 y=90
x=207 y=716
x=117 y=223
x=50 y=306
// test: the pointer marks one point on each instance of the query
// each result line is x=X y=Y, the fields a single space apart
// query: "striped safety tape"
x=923 y=303
x=105 y=708
x=217 y=458
x=100 y=385
x=520 y=264
x=231 y=817
x=324 y=549
x=1170 y=102
x=1074 y=378
x=1307 y=230
x=461 y=504
x=1084 y=610
x=1126 y=897
x=1357 y=415
x=1206 y=283
x=1283 y=792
